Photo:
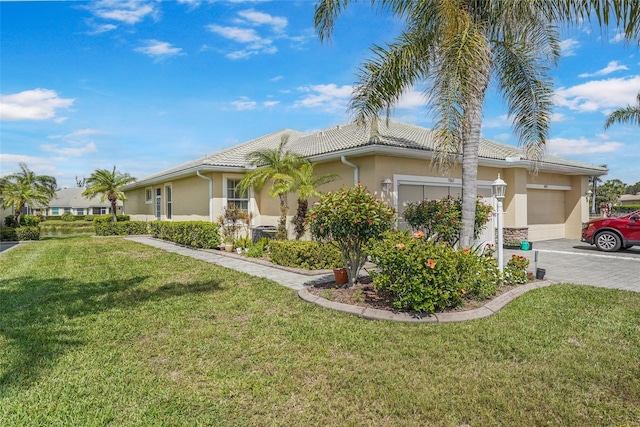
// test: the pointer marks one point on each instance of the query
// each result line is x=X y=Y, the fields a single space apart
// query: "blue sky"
x=147 y=85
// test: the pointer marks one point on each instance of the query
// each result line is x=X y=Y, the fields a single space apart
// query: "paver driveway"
x=573 y=261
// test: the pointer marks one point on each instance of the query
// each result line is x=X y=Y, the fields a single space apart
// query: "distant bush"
x=307 y=255
x=198 y=234
x=623 y=210
x=67 y=217
x=109 y=218
x=8 y=234
x=25 y=220
x=124 y=228
x=27 y=233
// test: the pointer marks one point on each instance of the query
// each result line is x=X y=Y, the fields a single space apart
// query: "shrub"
x=8 y=220
x=515 y=272
x=441 y=220
x=349 y=218
x=68 y=217
x=109 y=218
x=8 y=234
x=307 y=255
x=198 y=234
x=125 y=228
x=28 y=233
x=429 y=276
x=257 y=250
x=29 y=221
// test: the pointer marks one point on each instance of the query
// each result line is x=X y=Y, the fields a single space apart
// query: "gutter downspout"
x=210 y=194
x=356 y=170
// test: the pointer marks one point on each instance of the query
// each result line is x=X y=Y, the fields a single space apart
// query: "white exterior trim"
x=548 y=187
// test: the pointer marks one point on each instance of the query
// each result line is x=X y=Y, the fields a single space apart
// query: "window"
x=55 y=211
x=168 y=196
x=148 y=195
x=67 y=210
x=80 y=211
x=235 y=197
x=158 y=203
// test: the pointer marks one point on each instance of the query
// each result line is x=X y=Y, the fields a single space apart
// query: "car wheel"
x=608 y=241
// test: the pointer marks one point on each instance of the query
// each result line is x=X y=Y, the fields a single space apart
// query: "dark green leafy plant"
x=441 y=220
x=427 y=276
x=124 y=228
x=198 y=234
x=302 y=254
x=349 y=218
x=68 y=217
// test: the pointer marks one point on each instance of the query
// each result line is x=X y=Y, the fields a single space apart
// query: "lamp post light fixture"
x=386 y=185
x=499 y=190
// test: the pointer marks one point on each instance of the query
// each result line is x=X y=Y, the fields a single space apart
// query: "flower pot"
x=239 y=251
x=341 y=276
x=540 y=272
x=228 y=247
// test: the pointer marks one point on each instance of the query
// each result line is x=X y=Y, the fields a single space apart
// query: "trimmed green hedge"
x=109 y=218
x=303 y=254
x=125 y=228
x=623 y=210
x=10 y=234
x=198 y=234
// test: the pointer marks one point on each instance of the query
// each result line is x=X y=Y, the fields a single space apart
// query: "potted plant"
x=340 y=275
x=512 y=244
x=228 y=244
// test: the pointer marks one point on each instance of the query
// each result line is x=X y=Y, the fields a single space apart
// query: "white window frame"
x=148 y=195
x=168 y=201
x=251 y=206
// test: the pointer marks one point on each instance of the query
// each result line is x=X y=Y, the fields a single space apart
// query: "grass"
x=110 y=332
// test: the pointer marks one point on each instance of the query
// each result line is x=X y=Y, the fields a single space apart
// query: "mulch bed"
x=363 y=294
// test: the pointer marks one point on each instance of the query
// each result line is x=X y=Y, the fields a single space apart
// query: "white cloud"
x=237 y=34
x=70 y=151
x=568 y=47
x=566 y=146
x=276 y=78
x=159 y=50
x=128 y=12
x=244 y=104
x=411 y=99
x=558 y=117
x=329 y=97
x=100 y=28
x=497 y=122
x=611 y=67
x=76 y=134
x=270 y=103
x=618 y=38
x=9 y=163
x=277 y=23
x=35 y=104
x=598 y=95
x=192 y=4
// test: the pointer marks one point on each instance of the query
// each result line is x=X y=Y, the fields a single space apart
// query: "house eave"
x=181 y=174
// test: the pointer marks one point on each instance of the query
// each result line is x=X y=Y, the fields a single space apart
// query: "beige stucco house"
x=71 y=200
x=545 y=205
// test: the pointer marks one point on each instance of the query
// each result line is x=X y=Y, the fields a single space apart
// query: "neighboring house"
x=629 y=199
x=545 y=205
x=71 y=200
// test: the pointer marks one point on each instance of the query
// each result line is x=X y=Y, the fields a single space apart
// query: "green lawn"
x=110 y=332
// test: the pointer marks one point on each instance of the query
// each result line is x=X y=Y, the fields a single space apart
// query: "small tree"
x=441 y=220
x=349 y=218
x=108 y=184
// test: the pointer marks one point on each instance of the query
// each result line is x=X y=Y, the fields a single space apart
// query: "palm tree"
x=25 y=188
x=273 y=165
x=303 y=181
x=108 y=184
x=456 y=47
x=628 y=114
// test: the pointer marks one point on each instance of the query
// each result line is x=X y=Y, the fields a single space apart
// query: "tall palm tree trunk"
x=301 y=214
x=470 y=172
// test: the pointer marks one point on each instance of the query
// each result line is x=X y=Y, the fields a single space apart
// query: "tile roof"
x=73 y=198
x=347 y=137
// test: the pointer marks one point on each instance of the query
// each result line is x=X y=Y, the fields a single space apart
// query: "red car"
x=613 y=234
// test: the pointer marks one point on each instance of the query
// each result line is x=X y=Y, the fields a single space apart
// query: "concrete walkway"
x=564 y=261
